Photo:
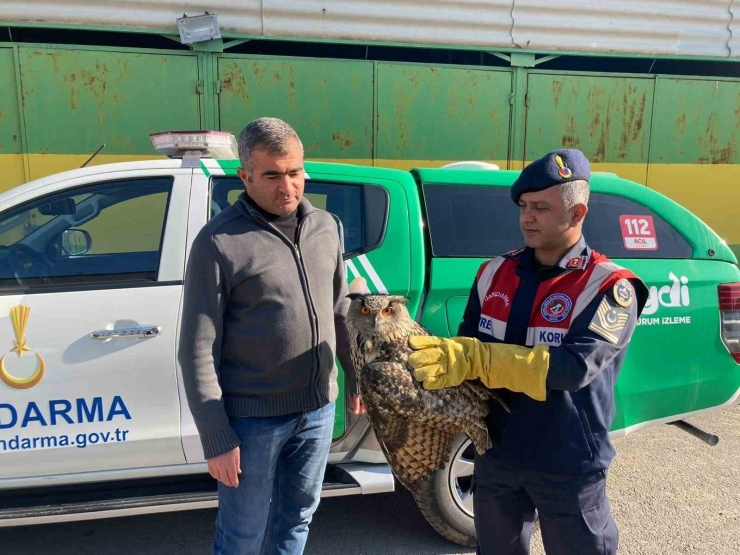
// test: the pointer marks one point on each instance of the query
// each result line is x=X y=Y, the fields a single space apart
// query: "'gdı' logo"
x=19 y=318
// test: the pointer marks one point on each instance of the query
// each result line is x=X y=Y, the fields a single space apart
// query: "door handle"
x=139 y=331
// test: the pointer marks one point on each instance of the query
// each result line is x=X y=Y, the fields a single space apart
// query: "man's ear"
x=243 y=175
x=579 y=212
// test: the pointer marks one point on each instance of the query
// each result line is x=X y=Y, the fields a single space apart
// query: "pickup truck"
x=94 y=422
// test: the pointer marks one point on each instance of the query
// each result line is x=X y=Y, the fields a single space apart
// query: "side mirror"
x=76 y=242
x=59 y=207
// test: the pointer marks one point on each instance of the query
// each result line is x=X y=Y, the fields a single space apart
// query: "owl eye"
x=364 y=310
x=387 y=311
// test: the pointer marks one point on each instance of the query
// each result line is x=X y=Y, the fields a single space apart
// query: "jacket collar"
x=576 y=258
x=304 y=208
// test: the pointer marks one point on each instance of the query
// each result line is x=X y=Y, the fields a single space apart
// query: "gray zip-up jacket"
x=262 y=320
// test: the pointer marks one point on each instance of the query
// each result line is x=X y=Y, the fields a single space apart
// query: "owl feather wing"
x=416 y=427
x=414 y=450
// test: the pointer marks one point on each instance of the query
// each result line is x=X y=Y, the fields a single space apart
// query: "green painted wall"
x=330 y=103
x=438 y=113
x=675 y=135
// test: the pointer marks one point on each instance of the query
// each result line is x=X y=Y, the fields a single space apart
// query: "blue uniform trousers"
x=574 y=512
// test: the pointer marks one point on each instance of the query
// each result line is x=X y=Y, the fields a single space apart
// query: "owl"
x=415 y=427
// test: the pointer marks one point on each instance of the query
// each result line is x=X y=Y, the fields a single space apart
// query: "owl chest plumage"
x=415 y=427
x=380 y=380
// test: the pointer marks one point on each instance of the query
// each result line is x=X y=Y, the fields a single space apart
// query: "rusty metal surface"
x=428 y=113
x=696 y=122
x=10 y=129
x=608 y=118
x=330 y=103
x=672 y=27
x=75 y=100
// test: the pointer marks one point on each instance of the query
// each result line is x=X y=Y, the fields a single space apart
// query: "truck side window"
x=475 y=222
x=88 y=235
x=603 y=230
x=482 y=222
x=362 y=208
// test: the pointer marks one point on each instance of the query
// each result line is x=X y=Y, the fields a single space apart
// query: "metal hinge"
x=199 y=87
x=526 y=99
x=511 y=99
x=218 y=87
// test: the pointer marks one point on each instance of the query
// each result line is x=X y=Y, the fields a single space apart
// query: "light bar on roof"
x=206 y=144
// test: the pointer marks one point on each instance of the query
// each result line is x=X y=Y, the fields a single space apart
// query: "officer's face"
x=544 y=222
x=277 y=181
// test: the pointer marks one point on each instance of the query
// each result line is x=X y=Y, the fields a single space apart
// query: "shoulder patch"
x=609 y=320
x=623 y=292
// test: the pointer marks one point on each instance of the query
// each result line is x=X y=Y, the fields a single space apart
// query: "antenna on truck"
x=93 y=156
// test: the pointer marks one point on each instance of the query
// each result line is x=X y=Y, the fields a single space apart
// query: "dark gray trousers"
x=574 y=513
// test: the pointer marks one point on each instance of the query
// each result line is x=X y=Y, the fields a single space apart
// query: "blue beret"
x=556 y=167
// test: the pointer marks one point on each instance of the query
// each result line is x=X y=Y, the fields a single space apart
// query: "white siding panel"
x=696 y=28
x=461 y=22
x=236 y=16
x=669 y=27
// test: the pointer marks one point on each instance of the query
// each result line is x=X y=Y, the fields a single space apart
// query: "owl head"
x=376 y=313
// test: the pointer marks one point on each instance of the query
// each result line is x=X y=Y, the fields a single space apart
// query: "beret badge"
x=563 y=170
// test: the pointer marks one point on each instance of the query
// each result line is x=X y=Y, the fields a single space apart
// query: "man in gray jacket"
x=263 y=317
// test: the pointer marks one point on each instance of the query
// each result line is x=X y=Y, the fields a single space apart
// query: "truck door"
x=90 y=284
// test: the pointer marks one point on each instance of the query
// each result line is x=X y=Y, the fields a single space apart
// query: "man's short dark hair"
x=270 y=135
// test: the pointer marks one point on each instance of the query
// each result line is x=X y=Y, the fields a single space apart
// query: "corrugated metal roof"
x=670 y=27
x=464 y=22
x=700 y=28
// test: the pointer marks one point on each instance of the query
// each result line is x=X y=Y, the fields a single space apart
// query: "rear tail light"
x=729 y=309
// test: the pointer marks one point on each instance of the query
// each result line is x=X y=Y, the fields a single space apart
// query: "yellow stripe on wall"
x=410 y=164
x=633 y=172
x=42 y=165
x=12 y=172
x=709 y=191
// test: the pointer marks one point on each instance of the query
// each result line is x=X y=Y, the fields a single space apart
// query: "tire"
x=446 y=501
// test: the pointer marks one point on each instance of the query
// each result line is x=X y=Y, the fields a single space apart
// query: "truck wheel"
x=446 y=501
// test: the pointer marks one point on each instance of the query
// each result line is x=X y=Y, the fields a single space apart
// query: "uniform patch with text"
x=609 y=320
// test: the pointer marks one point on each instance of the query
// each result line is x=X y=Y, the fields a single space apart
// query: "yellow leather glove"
x=440 y=362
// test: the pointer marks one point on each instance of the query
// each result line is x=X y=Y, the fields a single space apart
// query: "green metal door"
x=329 y=103
x=694 y=155
x=76 y=100
x=429 y=116
x=11 y=145
x=608 y=118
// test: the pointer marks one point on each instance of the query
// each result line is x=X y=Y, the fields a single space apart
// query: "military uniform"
x=552 y=450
